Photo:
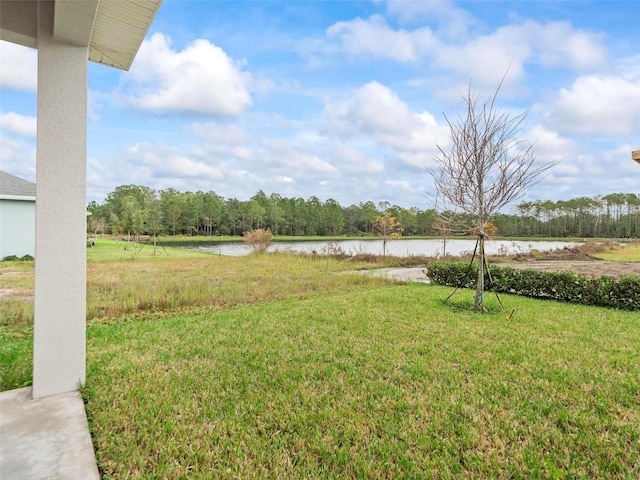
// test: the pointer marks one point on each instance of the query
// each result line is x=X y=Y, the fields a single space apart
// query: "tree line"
x=135 y=209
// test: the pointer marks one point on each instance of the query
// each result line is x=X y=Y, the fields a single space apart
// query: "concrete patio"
x=46 y=438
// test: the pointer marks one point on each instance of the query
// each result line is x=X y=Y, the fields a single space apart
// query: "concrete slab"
x=45 y=438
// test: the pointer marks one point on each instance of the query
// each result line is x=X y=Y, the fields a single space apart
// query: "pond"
x=399 y=248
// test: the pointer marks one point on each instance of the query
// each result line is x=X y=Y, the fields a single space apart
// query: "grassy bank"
x=276 y=366
x=126 y=279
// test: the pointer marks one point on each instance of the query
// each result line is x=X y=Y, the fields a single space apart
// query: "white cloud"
x=352 y=160
x=549 y=146
x=377 y=112
x=401 y=184
x=373 y=109
x=629 y=68
x=453 y=21
x=483 y=58
x=618 y=163
x=216 y=133
x=18 y=157
x=559 y=44
x=508 y=51
x=292 y=160
x=487 y=58
x=200 y=79
x=20 y=124
x=157 y=166
x=19 y=67
x=374 y=37
x=598 y=104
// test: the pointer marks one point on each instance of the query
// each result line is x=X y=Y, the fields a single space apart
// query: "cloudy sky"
x=346 y=100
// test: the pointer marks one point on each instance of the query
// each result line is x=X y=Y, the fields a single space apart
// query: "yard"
x=273 y=367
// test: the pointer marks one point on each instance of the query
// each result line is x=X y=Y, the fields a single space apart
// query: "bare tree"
x=488 y=166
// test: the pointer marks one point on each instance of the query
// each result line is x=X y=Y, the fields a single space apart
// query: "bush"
x=364 y=257
x=259 y=240
x=14 y=258
x=622 y=293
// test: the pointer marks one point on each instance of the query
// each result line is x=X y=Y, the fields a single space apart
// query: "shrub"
x=334 y=250
x=15 y=258
x=259 y=240
x=563 y=286
x=364 y=257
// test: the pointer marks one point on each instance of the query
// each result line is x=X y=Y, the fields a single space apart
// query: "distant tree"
x=333 y=217
x=133 y=216
x=153 y=220
x=488 y=166
x=170 y=204
x=368 y=214
x=98 y=225
x=115 y=224
x=387 y=227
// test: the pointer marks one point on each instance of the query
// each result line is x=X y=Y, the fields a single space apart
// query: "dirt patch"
x=591 y=268
x=588 y=268
x=16 y=293
x=574 y=259
x=565 y=254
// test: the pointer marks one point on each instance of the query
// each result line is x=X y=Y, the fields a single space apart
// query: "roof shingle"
x=11 y=185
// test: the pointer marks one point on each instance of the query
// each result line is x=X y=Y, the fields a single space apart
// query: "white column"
x=60 y=268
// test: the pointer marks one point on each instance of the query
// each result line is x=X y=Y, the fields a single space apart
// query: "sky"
x=347 y=100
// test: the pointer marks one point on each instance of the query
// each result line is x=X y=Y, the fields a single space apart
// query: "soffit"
x=118 y=30
x=112 y=29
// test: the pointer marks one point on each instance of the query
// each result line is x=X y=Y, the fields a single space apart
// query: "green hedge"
x=563 y=286
x=13 y=258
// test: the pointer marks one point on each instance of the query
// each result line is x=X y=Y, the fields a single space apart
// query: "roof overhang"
x=636 y=155
x=17 y=197
x=113 y=30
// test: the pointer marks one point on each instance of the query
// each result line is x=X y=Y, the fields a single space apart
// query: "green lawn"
x=381 y=383
x=626 y=253
x=293 y=371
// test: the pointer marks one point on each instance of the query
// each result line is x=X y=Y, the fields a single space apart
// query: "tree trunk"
x=478 y=304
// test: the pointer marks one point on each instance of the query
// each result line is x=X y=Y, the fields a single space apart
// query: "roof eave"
x=119 y=29
x=113 y=30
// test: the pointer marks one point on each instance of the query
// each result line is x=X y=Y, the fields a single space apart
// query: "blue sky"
x=345 y=100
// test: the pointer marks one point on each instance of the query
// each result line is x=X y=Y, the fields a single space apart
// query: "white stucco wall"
x=17 y=227
x=61 y=217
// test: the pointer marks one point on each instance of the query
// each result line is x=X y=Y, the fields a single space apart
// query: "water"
x=399 y=248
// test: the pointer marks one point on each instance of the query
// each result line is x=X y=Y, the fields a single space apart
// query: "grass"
x=123 y=286
x=382 y=383
x=273 y=367
x=109 y=250
x=625 y=253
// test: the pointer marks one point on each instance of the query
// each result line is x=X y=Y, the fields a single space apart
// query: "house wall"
x=17 y=227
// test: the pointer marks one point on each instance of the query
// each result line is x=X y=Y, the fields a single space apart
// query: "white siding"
x=17 y=228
